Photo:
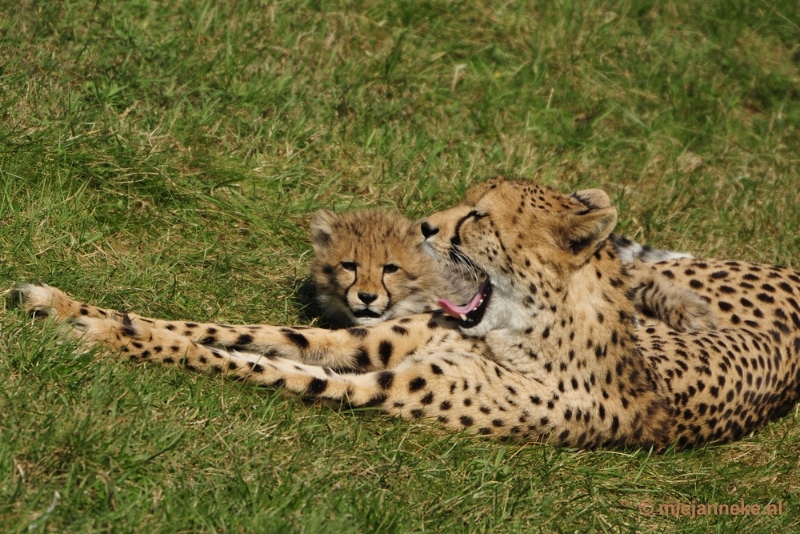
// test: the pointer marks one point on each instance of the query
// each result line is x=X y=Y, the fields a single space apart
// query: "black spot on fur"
x=244 y=339
x=127 y=326
x=416 y=384
x=763 y=297
x=316 y=387
x=296 y=338
x=357 y=332
x=362 y=359
x=376 y=400
x=385 y=350
x=385 y=379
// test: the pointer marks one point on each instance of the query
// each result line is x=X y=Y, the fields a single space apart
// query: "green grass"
x=164 y=158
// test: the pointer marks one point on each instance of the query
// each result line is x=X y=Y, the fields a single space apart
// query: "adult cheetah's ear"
x=592 y=198
x=322 y=223
x=587 y=226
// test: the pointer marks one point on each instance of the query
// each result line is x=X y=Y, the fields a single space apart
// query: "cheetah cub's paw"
x=658 y=297
x=691 y=313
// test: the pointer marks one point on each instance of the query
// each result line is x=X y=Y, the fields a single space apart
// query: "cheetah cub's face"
x=527 y=241
x=369 y=267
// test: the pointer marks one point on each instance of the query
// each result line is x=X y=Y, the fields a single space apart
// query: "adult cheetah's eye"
x=390 y=268
x=349 y=265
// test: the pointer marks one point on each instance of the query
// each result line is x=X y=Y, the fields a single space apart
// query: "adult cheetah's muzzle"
x=470 y=314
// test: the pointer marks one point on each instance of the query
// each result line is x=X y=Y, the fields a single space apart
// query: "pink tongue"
x=457 y=311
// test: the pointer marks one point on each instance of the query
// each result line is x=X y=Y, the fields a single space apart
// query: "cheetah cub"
x=369 y=266
x=546 y=350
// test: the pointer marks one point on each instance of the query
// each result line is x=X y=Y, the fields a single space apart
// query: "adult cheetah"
x=545 y=351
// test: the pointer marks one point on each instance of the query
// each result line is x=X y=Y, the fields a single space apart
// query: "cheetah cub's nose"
x=367 y=298
x=428 y=230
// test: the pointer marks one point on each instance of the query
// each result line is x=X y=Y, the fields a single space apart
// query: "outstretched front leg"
x=448 y=380
x=143 y=343
x=381 y=346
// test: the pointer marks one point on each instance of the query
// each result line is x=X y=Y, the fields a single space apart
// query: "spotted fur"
x=554 y=355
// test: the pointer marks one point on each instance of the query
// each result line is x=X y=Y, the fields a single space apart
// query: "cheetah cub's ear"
x=588 y=225
x=322 y=228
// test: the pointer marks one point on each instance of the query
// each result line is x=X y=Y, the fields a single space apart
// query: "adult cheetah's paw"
x=38 y=300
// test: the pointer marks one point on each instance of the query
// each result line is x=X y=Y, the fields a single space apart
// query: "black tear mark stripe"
x=456 y=239
x=388 y=293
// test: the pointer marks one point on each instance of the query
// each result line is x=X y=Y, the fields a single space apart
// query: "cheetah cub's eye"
x=390 y=268
x=349 y=265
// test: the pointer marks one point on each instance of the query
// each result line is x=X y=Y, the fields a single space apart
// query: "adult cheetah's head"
x=368 y=267
x=526 y=238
